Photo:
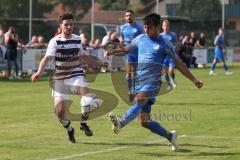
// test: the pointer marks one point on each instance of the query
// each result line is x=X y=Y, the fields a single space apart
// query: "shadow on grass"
x=201 y=145
x=191 y=154
x=214 y=89
x=202 y=104
x=124 y=144
x=24 y=79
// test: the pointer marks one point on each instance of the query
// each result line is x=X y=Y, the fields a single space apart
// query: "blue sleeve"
x=133 y=46
x=217 y=39
x=170 y=49
x=142 y=29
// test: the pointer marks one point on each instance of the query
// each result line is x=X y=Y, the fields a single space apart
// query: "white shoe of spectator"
x=103 y=70
x=18 y=78
x=212 y=73
x=229 y=73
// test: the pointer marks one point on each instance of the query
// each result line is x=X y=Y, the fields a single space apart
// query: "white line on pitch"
x=105 y=150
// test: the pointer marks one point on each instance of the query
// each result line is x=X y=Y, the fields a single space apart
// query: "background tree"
x=200 y=10
x=78 y=7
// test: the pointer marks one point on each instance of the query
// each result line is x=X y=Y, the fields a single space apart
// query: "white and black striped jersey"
x=66 y=54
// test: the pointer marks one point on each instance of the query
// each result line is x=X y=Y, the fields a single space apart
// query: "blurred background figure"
x=11 y=43
x=32 y=42
x=219 y=55
x=202 y=39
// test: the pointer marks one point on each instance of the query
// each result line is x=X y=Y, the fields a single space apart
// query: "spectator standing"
x=11 y=51
x=202 y=39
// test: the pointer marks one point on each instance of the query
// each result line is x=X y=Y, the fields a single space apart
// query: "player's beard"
x=67 y=33
x=130 y=21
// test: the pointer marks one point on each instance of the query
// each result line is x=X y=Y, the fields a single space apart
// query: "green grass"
x=30 y=131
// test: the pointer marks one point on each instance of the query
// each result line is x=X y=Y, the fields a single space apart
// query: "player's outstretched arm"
x=41 y=67
x=90 y=60
x=117 y=52
x=187 y=73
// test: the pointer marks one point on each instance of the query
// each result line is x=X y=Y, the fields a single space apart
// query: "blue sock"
x=133 y=85
x=129 y=82
x=156 y=128
x=173 y=76
x=225 y=67
x=131 y=114
x=167 y=77
x=213 y=67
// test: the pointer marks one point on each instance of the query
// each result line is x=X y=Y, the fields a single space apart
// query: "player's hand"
x=35 y=77
x=198 y=83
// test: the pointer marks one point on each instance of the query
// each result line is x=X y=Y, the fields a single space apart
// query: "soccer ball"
x=89 y=103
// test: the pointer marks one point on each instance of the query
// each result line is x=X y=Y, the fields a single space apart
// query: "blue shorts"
x=151 y=91
x=219 y=56
x=132 y=58
x=168 y=62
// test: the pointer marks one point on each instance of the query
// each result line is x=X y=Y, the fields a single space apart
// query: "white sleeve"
x=52 y=48
x=81 y=51
x=105 y=40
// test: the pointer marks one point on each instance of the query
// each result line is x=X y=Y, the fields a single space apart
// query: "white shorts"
x=62 y=89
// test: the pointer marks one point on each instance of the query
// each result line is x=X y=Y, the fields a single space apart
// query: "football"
x=89 y=103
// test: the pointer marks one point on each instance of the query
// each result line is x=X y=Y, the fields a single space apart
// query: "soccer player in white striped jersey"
x=66 y=50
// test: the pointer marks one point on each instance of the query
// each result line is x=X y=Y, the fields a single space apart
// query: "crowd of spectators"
x=184 y=46
x=9 y=49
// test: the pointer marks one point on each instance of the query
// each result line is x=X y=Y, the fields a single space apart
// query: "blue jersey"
x=128 y=32
x=151 y=54
x=170 y=36
x=220 y=41
x=218 y=49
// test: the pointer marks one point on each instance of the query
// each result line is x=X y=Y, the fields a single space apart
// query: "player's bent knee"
x=145 y=119
x=141 y=99
x=144 y=124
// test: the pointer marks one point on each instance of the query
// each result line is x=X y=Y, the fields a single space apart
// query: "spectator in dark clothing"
x=11 y=52
x=202 y=39
x=192 y=39
x=186 y=50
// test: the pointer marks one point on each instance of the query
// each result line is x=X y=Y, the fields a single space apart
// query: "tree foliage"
x=77 y=7
x=200 y=10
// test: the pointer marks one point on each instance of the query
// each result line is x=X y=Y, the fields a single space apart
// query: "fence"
x=29 y=59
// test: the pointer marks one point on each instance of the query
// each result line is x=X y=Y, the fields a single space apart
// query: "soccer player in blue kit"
x=128 y=32
x=169 y=64
x=152 y=50
x=219 y=46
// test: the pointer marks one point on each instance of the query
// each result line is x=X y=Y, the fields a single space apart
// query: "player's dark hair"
x=152 y=19
x=65 y=16
x=131 y=11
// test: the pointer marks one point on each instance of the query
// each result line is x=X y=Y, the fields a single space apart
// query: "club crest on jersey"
x=156 y=46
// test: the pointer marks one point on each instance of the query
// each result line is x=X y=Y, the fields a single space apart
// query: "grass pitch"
x=206 y=120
